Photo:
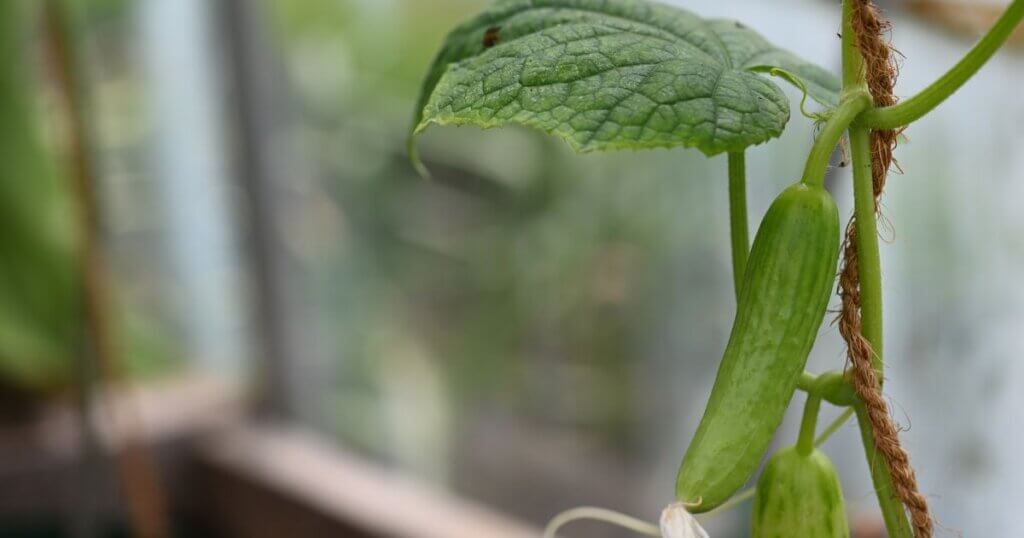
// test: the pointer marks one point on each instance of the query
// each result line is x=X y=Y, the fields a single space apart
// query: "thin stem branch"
x=738 y=227
x=832 y=428
x=817 y=162
x=912 y=109
x=733 y=502
x=600 y=514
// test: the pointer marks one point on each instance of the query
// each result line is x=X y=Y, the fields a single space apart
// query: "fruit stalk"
x=738 y=227
x=805 y=443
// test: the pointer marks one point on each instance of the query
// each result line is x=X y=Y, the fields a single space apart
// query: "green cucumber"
x=786 y=288
x=798 y=495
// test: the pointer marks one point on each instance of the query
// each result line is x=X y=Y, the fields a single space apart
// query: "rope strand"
x=881 y=72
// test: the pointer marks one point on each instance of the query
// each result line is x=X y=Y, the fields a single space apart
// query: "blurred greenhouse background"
x=530 y=330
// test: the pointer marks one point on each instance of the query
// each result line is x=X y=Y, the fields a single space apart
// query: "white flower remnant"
x=676 y=522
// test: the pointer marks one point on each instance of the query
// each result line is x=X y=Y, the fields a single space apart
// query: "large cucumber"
x=799 y=496
x=786 y=288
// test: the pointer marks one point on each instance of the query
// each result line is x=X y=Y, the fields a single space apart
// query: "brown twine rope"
x=881 y=71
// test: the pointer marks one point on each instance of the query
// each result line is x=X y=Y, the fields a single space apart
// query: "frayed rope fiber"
x=881 y=71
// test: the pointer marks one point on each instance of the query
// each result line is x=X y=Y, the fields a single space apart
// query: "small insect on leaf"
x=491 y=37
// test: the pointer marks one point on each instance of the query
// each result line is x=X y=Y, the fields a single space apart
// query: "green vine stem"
x=805 y=442
x=868 y=257
x=738 y=227
x=869 y=265
x=912 y=109
x=817 y=162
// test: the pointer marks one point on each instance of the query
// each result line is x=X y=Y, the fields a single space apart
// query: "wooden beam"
x=970 y=19
x=318 y=489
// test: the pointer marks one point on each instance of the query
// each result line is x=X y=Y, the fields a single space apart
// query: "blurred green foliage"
x=37 y=285
x=526 y=275
x=41 y=329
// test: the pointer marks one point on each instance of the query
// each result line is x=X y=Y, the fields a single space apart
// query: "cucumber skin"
x=799 y=496
x=786 y=289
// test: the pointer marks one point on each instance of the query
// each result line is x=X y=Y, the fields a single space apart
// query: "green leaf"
x=614 y=74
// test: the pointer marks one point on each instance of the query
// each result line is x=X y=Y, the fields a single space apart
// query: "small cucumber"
x=786 y=288
x=799 y=496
